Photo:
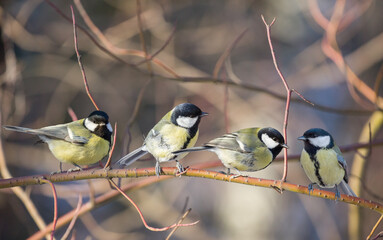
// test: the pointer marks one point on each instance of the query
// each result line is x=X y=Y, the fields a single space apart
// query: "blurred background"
x=40 y=79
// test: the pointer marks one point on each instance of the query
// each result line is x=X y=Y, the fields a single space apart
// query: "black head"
x=316 y=138
x=188 y=116
x=98 y=123
x=273 y=139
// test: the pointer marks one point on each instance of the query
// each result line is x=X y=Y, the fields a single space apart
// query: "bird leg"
x=337 y=193
x=158 y=169
x=60 y=167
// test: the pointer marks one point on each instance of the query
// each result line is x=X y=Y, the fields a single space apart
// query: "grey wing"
x=343 y=163
x=63 y=132
x=228 y=141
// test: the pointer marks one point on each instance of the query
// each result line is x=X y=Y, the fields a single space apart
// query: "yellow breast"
x=245 y=161
x=329 y=171
x=172 y=138
x=93 y=151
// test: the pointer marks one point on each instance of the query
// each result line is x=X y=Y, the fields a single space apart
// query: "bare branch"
x=79 y=60
x=142 y=216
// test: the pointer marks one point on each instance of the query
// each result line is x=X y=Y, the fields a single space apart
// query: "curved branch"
x=171 y=171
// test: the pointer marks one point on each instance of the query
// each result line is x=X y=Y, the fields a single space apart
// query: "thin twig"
x=112 y=149
x=142 y=216
x=374 y=228
x=79 y=60
x=54 y=206
x=288 y=90
x=73 y=221
x=178 y=223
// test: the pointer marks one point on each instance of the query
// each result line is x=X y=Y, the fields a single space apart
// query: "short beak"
x=203 y=114
x=284 y=145
x=302 y=138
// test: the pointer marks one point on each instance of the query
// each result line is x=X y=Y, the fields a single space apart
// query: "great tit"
x=82 y=142
x=323 y=162
x=249 y=149
x=178 y=129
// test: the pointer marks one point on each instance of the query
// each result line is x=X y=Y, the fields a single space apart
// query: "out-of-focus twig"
x=288 y=90
x=358 y=169
x=141 y=34
x=142 y=216
x=218 y=66
x=79 y=60
x=113 y=50
x=150 y=57
x=331 y=49
x=354 y=13
x=207 y=79
x=71 y=224
x=380 y=235
x=102 y=48
x=72 y=114
x=378 y=82
x=226 y=53
x=127 y=136
x=11 y=76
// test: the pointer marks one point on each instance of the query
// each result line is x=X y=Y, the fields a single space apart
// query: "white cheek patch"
x=109 y=127
x=186 y=122
x=91 y=126
x=270 y=143
x=321 y=141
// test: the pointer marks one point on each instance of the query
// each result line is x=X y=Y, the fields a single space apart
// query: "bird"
x=82 y=142
x=249 y=149
x=323 y=162
x=177 y=130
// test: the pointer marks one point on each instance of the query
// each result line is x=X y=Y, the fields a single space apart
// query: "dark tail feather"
x=132 y=156
x=347 y=189
x=193 y=149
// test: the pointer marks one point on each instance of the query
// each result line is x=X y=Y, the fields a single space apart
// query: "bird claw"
x=180 y=169
x=76 y=169
x=311 y=188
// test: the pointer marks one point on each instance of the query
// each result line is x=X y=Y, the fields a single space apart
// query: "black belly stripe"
x=183 y=147
x=186 y=143
x=316 y=165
